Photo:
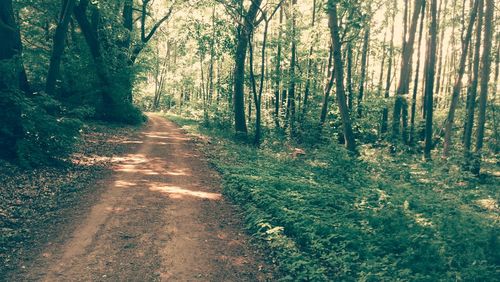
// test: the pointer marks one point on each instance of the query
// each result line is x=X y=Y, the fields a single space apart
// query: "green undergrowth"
x=329 y=217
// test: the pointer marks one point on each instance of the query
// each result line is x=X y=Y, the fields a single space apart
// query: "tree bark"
x=291 y=86
x=385 y=111
x=485 y=73
x=401 y=105
x=11 y=49
x=458 y=83
x=328 y=87
x=472 y=90
x=415 y=81
x=92 y=40
x=339 y=77
x=429 y=79
x=58 y=45
x=362 y=78
x=277 y=73
x=244 y=31
x=309 y=64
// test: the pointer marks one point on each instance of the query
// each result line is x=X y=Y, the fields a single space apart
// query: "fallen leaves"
x=31 y=200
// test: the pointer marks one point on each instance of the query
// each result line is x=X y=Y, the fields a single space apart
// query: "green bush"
x=11 y=128
x=34 y=130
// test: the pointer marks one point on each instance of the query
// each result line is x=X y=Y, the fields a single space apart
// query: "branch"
x=158 y=24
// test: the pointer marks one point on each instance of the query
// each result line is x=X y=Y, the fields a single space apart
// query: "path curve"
x=161 y=218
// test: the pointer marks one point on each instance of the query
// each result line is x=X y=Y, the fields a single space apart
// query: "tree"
x=11 y=50
x=292 y=75
x=472 y=89
x=415 y=81
x=58 y=45
x=339 y=76
x=485 y=73
x=400 y=114
x=244 y=29
x=91 y=35
x=309 y=63
x=257 y=95
x=364 y=55
x=429 y=78
x=388 y=80
x=458 y=82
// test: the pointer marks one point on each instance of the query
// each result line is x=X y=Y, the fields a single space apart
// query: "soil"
x=160 y=217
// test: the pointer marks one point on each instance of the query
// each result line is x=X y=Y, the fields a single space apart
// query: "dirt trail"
x=161 y=218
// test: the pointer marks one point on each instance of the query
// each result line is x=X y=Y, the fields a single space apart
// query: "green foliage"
x=48 y=136
x=125 y=112
x=329 y=217
x=34 y=130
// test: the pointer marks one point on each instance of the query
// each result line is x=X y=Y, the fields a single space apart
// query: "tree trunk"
x=415 y=81
x=349 y=76
x=458 y=83
x=401 y=105
x=291 y=86
x=58 y=45
x=472 y=91
x=362 y=78
x=12 y=77
x=441 y=47
x=328 y=87
x=309 y=64
x=92 y=40
x=385 y=111
x=485 y=73
x=244 y=31
x=429 y=79
x=277 y=73
x=11 y=49
x=339 y=77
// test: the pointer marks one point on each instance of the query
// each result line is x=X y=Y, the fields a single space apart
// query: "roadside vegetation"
x=329 y=216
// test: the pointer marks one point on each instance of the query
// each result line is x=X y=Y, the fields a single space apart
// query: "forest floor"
x=159 y=216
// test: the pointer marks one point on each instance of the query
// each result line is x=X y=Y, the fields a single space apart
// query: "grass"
x=327 y=216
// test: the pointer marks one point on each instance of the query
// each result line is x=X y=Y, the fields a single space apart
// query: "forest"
x=307 y=140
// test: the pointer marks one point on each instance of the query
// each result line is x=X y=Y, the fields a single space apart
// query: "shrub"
x=34 y=131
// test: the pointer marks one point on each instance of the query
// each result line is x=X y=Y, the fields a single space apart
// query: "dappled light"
x=177 y=192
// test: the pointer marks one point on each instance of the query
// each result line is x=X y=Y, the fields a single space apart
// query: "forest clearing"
x=249 y=140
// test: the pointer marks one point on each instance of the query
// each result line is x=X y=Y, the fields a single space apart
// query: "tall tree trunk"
x=11 y=49
x=328 y=87
x=443 y=13
x=92 y=40
x=258 y=95
x=309 y=63
x=415 y=81
x=211 y=88
x=58 y=45
x=127 y=15
x=385 y=110
x=364 y=56
x=458 y=83
x=349 y=76
x=293 y=61
x=401 y=105
x=277 y=74
x=244 y=31
x=339 y=76
x=12 y=77
x=472 y=90
x=382 y=65
x=485 y=73
x=429 y=79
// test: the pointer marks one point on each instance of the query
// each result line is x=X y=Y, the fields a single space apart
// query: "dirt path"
x=161 y=218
